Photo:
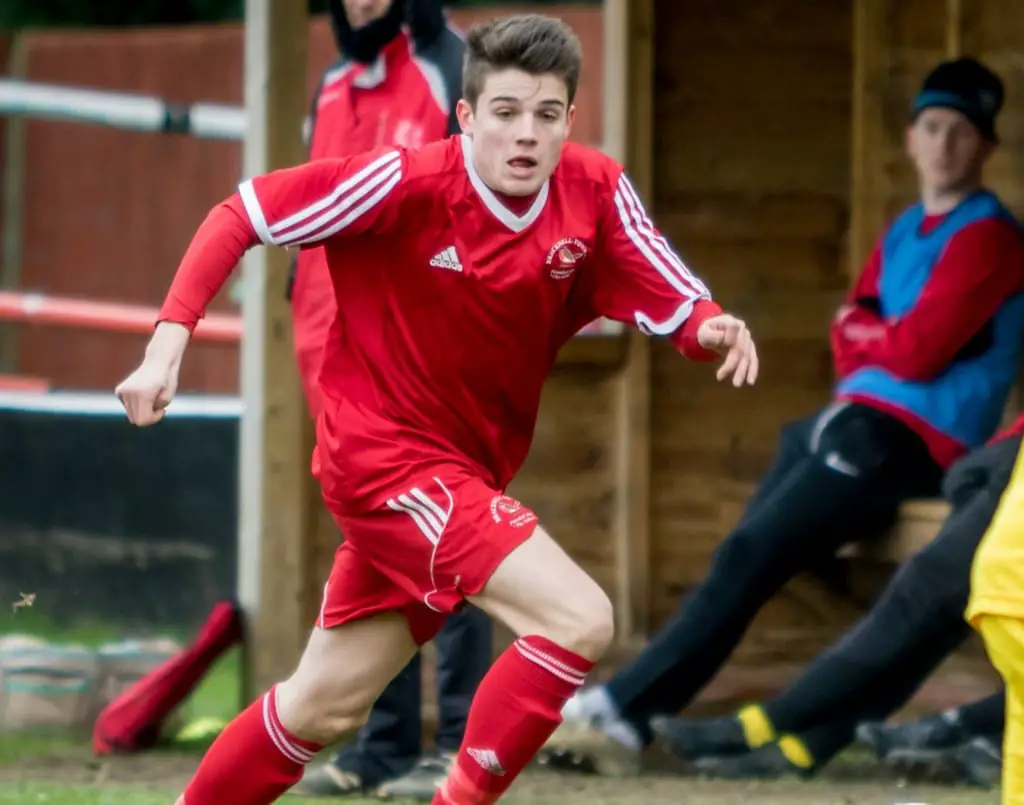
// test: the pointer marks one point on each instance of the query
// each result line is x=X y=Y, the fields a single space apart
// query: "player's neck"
x=516 y=204
x=940 y=201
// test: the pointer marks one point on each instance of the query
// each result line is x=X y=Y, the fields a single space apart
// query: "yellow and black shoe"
x=769 y=762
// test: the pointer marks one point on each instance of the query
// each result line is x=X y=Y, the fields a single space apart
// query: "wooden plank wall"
x=752 y=155
x=779 y=154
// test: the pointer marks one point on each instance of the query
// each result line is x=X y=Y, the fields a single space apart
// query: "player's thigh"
x=998 y=567
x=448 y=537
x=351 y=664
x=363 y=637
x=1008 y=520
x=537 y=589
x=1004 y=644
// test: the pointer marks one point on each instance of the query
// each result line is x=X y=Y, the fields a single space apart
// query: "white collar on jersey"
x=517 y=223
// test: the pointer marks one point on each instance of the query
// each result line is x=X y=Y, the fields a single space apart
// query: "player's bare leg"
x=564 y=623
x=261 y=754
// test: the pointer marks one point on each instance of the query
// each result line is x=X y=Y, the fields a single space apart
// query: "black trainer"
x=690 y=739
x=924 y=738
x=977 y=763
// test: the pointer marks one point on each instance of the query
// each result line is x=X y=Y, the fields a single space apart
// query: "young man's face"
x=518 y=127
x=361 y=12
x=947 y=149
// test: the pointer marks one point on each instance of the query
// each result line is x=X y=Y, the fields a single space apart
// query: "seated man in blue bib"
x=926 y=350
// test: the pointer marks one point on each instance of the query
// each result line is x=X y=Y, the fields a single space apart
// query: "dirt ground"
x=846 y=784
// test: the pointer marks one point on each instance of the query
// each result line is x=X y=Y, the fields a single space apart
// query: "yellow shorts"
x=997 y=575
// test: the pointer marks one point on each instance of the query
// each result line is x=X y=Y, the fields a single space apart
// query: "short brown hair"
x=533 y=43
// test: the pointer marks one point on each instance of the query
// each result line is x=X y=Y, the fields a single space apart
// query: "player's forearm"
x=167 y=345
x=915 y=349
x=216 y=249
x=980 y=268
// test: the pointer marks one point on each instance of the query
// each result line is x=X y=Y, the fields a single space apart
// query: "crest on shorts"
x=565 y=256
x=509 y=510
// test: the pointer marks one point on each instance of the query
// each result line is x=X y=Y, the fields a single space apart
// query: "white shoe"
x=575 y=711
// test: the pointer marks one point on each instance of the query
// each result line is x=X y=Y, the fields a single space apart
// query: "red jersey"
x=405 y=97
x=451 y=308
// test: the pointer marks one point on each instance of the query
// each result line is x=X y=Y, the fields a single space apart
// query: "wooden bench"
x=919 y=522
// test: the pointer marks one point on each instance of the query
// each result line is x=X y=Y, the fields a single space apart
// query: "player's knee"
x=315 y=709
x=587 y=625
x=597 y=628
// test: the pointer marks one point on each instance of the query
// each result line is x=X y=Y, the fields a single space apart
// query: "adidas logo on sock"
x=488 y=760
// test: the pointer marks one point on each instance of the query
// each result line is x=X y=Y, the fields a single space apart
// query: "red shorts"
x=422 y=551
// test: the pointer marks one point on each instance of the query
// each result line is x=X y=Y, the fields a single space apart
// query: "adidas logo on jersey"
x=446 y=258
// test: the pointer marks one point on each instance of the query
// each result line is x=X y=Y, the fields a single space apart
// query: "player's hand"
x=146 y=392
x=730 y=337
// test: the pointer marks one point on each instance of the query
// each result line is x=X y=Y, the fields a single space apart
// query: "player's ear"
x=570 y=116
x=464 y=112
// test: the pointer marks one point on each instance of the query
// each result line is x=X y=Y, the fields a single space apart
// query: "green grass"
x=218 y=696
x=218 y=693
x=33 y=622
x=21 y=746
x=47 y=794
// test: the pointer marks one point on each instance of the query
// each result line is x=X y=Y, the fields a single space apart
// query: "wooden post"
x=954 y=28
x=15 y=145
x=275 y=512
x=628 y=110
x=870 y=186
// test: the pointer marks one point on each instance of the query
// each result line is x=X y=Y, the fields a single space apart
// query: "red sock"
x=515 y=710
x=253 y=762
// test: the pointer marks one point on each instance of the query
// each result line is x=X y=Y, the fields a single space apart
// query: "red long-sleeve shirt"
x=451 y=307
x=1015 y=428
x=982 y=265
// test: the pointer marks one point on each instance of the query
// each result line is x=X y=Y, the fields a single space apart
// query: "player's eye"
x=504 y=114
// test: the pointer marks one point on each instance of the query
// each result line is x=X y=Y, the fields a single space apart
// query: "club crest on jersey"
x=409 y=134
x=564 y=257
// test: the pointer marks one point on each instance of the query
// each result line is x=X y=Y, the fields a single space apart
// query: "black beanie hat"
x=967 y=86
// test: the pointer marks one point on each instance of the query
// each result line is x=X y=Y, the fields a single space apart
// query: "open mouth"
x=522 y=163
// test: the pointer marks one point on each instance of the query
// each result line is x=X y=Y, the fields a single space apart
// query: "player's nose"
x=526 y=135
x=526 y=131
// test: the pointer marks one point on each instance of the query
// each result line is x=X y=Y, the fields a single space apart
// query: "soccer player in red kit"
x=460 y=269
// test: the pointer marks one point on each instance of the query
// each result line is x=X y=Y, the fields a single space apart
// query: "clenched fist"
x=146 y=392
x=730 y=337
